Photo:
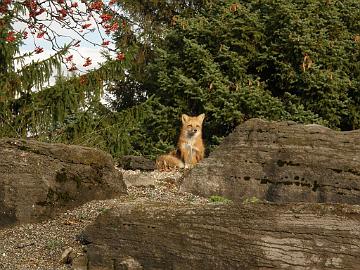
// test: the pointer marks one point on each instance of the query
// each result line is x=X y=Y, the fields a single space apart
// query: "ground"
x=41 y=245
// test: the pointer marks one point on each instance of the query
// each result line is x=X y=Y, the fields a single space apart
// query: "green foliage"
x=273 y=59
x=277 y=60
x=328 y=33
x=219 y=199
x=251 y=200
x=69 y=111
x=204 y=65
x=54 y=244
x=40 y=111
x=99 y=127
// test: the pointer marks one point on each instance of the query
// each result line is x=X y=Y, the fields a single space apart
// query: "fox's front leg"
x=198 y=154
x=187 y=155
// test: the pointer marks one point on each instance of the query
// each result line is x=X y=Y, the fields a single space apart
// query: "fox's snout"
x=192 y=132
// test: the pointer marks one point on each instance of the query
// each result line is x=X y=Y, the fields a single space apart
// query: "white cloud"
x=79 y=56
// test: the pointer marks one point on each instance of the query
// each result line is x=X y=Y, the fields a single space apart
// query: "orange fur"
x=168 y=162
x=190 y=145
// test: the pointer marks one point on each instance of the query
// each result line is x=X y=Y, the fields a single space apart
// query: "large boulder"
x=39 y=179
x=225 y=236
x=281 y=162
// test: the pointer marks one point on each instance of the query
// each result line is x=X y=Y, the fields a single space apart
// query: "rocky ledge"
x=281 y=162
x=39 y=179
x=224 y=236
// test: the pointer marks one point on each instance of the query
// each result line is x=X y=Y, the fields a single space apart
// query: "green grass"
x=219 y=199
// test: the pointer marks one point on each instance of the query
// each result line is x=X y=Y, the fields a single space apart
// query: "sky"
x=85 y=49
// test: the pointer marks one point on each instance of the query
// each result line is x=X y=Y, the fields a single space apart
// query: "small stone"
x=130 y=264
x=66 y=257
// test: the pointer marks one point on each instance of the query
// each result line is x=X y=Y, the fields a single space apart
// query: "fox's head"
x=192 y=125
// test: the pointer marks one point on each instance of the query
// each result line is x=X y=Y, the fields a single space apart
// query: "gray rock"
x=130 y=264
x=136 y=163
x=67 y=256
x=38 y=179
x=226 y=236
x=79 y=263
x=281 y=162
x=138 y=180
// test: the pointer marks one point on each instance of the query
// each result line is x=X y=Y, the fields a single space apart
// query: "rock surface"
x=39 y=179
x=136 y=163
x=281 y=162
x=148 y=179
x=225 y=236
x=39 y=245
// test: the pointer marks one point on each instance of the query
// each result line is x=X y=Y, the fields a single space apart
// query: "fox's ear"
x=184 y=118
x=201 y=117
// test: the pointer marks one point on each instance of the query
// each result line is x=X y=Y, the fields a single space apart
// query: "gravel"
x=41 y=245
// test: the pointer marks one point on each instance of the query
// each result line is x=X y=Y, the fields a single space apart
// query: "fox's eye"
x=197 y=126
x=189 y=126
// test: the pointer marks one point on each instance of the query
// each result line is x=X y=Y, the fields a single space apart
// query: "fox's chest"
x=191 y=144
x=190 y=147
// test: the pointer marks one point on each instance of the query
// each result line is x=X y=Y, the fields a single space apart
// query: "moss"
x=63 y=196
x=77 y=179
x=53 y=244
x=57 y=196
x=23 y=148
x=251 y=200
x=51 y=196
x=103 y=210
x=219 y=199
x=61 y=176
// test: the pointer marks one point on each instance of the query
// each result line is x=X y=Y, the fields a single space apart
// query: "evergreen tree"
x=311 y=54
x=232 y=60
x=69 y=111
x=203 y=66
x=278 y=60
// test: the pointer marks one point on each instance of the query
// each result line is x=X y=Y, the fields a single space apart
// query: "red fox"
x=190 y=148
